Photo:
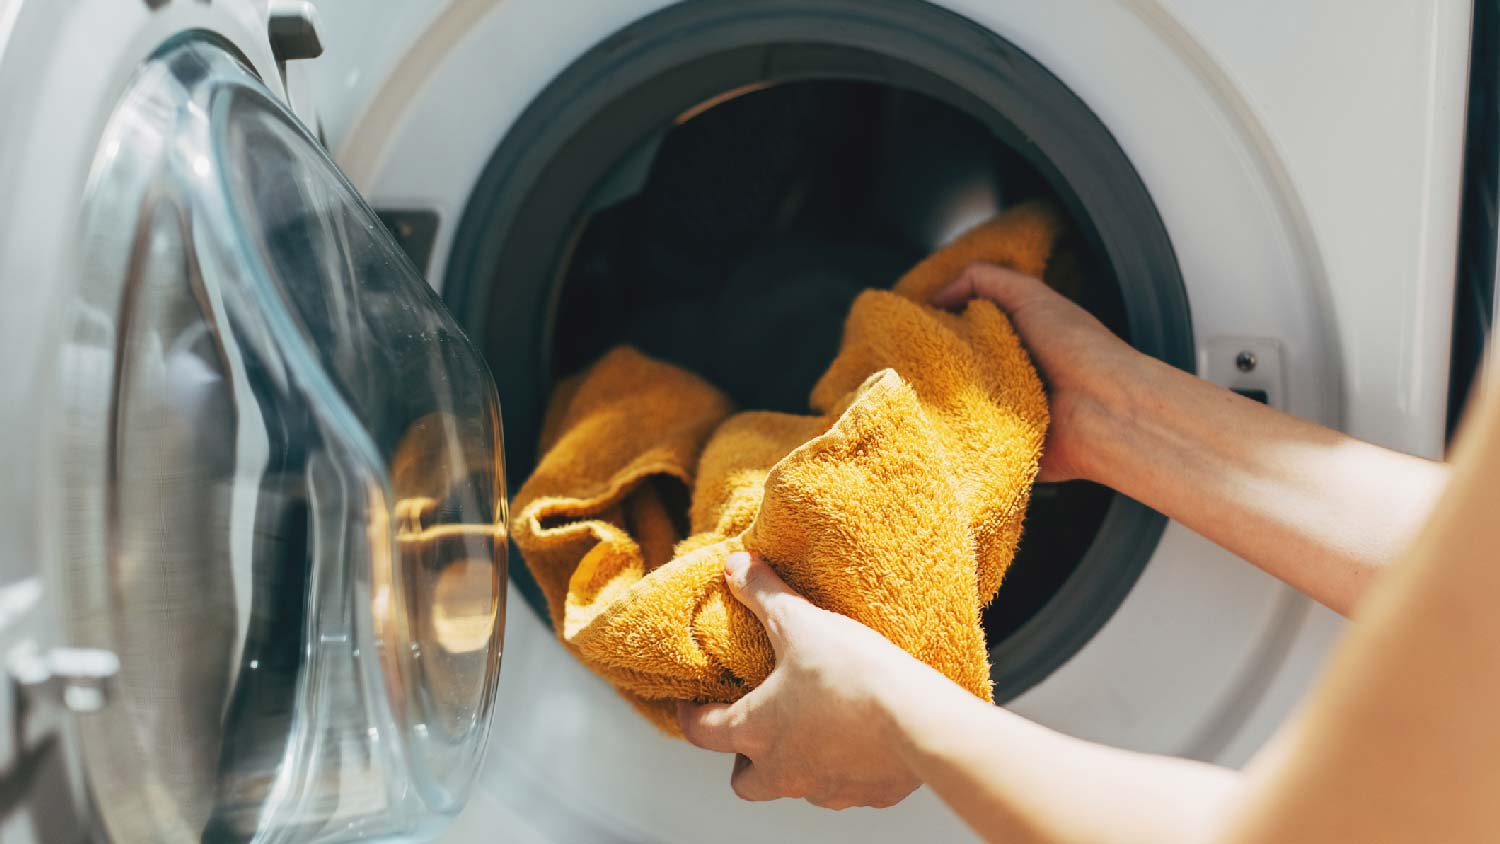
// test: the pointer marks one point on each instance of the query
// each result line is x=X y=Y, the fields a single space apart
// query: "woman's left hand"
x=822 y=726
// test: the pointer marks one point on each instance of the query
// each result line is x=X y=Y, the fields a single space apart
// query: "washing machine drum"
x=710 y=187
x=282 y=486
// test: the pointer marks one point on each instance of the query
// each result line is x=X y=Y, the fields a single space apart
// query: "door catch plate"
x=1254 y=367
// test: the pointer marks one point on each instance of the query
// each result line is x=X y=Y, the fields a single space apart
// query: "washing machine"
x=1269 y=192
x=253 y=462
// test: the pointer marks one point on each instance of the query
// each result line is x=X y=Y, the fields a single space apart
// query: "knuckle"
x=692 y=730
x=775 y=616
x=756 y=577
x=693 y=720
x=891 y=794
x=833 y=803
x=734 y=720
x=981 y=270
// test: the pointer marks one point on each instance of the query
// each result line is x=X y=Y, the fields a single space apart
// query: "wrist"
x=1105 y=422
x=912 y=716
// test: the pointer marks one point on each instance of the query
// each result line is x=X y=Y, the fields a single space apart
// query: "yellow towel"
x=899 y=504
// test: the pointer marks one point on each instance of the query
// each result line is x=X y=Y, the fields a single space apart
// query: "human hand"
x=821 y=727
x=1088 y=370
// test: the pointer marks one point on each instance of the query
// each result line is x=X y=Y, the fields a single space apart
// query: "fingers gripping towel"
x=897 y=503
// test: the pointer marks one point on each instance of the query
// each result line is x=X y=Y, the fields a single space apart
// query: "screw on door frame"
x=1245 y=361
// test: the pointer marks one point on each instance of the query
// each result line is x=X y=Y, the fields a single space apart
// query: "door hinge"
x=44 y=684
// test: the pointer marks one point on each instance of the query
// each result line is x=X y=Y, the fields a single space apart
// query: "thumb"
x=756 y=585
x=1000 y=285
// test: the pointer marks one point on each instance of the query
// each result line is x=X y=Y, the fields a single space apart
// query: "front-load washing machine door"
x=280 y=486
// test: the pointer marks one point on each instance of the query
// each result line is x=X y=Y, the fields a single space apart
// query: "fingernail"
x=735 y=564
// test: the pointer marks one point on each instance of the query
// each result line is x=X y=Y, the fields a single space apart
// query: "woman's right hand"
x=1087 y=369
x=1311 y=506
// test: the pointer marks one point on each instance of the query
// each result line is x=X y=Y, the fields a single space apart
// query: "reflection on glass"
x=286 y=502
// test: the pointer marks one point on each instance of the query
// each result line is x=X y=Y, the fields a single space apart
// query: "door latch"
x=293 y=29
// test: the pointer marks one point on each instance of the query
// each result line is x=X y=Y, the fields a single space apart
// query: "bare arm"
x=1015 y=781
x=1317 y=509
x=1399 y=743
x=1401 y=740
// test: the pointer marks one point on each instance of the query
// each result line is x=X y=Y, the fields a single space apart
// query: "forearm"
x=1400 y=739
x=1015 y=781
x=1313 y=507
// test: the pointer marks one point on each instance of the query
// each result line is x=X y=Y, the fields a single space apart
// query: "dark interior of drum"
x=733 y=242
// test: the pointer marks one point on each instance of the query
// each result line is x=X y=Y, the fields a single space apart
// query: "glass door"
x=283 y=494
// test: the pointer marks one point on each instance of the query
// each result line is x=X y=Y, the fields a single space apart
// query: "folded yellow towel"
x=899 y=504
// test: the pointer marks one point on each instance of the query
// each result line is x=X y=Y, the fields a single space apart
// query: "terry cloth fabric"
x=899 y=503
